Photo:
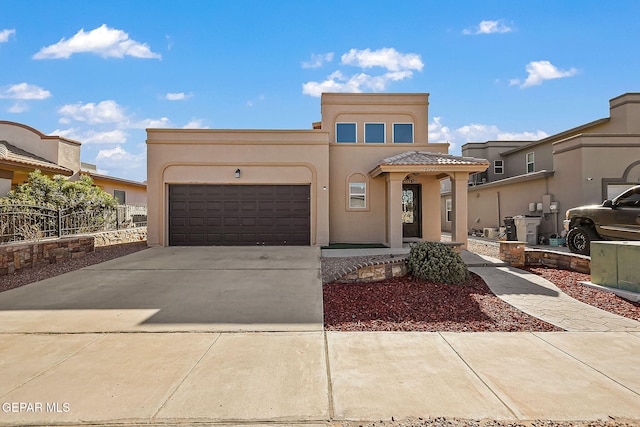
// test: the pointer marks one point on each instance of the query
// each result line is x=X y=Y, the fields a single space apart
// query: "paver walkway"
x=540 y=298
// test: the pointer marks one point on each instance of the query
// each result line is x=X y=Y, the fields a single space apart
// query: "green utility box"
x=615 y=264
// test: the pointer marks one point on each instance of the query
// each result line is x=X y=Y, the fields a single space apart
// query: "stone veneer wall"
x=17 y=256
x=116 y=237
x=374 y=271
x=562 y=260
x=512 y=252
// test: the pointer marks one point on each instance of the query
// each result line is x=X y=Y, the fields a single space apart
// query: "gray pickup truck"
x=617 y=219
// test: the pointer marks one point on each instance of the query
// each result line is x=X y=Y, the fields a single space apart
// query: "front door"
x=411 y=219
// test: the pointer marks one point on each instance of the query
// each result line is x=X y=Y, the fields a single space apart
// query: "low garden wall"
x=561 y=260
x=17 y=256
x=374 y=271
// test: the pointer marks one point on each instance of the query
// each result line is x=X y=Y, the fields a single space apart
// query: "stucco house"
x=583 y=165
x=365 y=173
x=24 y=149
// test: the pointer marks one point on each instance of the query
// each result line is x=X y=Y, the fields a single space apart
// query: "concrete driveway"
x=176 y=289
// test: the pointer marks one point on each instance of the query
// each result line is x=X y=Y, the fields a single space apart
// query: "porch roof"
x=17 y=157
x=431 y=163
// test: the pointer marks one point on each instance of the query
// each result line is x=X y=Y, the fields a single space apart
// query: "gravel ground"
x=455 y=422
x=409 y=304
x=101 y=254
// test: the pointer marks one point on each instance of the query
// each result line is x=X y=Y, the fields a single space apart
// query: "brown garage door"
x=203 y=215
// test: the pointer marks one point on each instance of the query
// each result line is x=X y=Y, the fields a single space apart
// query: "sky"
x=101 y=72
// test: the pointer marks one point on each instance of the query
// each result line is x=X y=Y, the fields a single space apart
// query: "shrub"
x=436 y=262
x=60 y=193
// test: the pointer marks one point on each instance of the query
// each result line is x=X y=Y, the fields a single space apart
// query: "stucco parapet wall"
x=376 y=99
x=222 y=137
x=575 y=142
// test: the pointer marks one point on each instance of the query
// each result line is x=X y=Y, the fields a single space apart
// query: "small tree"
x=60 y=193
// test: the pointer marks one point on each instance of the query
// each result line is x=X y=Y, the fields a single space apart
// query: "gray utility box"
x=615 y=264
x=527 y=228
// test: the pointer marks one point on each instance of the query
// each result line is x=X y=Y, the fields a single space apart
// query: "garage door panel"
x=239 y=214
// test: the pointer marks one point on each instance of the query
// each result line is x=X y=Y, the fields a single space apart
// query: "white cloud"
x=439 y=133
x=399 y=66
x=120 y=162
x=388 y=58
x=18 y=107
x=318 y=60
x=177 y=96
x=488 y=27
x=104 y=41
x=103 y=112
x=195 y=124
x=539 y=71
x=162 y=122
x=24 y=91
x=91 y=136
x=4 y=35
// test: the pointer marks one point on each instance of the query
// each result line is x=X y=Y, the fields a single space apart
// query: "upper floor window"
x=374 y=132
x=120 y=196
x=531 y=164
x=345 y=132
x=403 y=133
x=498 y=167
x=357 y=195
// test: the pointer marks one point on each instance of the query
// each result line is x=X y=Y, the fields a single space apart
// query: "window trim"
x=384 y=133
x=412 y=133
x=532 y=162
x=495 y=167
x=447 y=210
x=355 y=126
x=363 y=194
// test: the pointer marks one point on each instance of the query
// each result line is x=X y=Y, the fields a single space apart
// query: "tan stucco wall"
x=355 y=160
x=135 y=194
x=212 y=156
x=57 y=150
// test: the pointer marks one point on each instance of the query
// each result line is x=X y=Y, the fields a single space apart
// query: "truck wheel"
x=579 y=240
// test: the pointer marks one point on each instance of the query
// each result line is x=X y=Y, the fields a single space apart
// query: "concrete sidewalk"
x=92 y=356
x=314 y=377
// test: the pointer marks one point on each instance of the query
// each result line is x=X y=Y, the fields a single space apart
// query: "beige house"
x=583 y=165
x=366 y=173
x=24 y=149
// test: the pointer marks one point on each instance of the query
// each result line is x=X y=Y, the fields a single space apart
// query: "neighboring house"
x=24 y=149
x=127 y=192
x=366 y=173
x=544 y=178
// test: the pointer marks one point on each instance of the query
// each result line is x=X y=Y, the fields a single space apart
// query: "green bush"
x=436 y=262
x=60 y=193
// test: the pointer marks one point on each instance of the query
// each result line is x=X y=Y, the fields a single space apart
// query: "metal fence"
x=33 y=223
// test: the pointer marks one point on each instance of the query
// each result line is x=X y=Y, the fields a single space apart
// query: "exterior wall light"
x=238 y=173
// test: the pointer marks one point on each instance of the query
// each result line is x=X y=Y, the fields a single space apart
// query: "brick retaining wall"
x=17 y=256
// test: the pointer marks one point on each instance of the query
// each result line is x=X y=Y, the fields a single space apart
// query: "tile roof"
x=426 y=158
x=13 y=154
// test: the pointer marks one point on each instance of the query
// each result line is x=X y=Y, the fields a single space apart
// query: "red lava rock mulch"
x=408 y=304
x=568 y=280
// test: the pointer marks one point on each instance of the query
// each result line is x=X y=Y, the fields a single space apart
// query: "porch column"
x=459 y=205
x=430 y=208
x=394 y=209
